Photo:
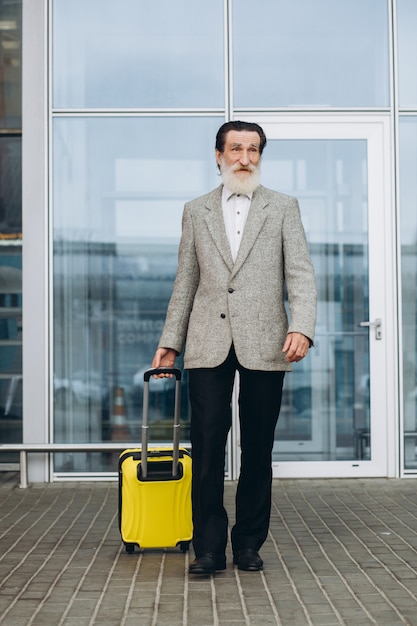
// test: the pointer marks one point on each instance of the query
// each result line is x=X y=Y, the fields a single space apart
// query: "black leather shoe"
x=207 y=563
x=248 y=560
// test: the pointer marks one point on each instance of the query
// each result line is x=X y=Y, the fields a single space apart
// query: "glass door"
x=333 y=420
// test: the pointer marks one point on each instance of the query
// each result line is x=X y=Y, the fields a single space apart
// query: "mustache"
x=243 y=168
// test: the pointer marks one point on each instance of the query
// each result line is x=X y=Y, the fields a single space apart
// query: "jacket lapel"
x=215 y=224
x=255 y=220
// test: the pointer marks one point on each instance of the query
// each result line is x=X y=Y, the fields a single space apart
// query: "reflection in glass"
x=11 y=64
x=10 y=344
x=325 y=410
x=119 y=189
x=408 y=209
x=407 y=48
x=303 y=53
x=10 y=187
x=10 y=225
x=134 y=54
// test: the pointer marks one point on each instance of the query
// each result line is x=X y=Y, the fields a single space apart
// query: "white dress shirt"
x=235 y=211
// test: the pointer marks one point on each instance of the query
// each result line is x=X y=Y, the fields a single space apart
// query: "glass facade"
x=408 y=206
x=138 y=91
x=10 y=224
x=407 y=29
x=407 y=89
x=120 y=184
x=130 y=54
x=326 y=53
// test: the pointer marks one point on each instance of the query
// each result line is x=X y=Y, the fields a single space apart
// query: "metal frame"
x=37 y=118
x=35 y=231
x=52 y=448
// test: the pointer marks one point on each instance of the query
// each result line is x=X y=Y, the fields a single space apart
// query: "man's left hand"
x=296 y=346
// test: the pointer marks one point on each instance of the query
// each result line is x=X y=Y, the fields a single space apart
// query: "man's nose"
x=244 y=158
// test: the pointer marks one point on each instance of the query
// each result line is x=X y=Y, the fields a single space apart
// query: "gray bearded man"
x=241 y=245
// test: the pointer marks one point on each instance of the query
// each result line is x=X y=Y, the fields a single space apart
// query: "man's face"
x=241 y=148
x=239 y=162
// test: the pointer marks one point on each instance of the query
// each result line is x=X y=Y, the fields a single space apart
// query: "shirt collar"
x=227 y=194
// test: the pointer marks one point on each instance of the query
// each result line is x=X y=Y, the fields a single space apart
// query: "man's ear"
x=218 y=158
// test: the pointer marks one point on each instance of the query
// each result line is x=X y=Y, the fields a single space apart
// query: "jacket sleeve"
x=185 y=286
x=299 y=274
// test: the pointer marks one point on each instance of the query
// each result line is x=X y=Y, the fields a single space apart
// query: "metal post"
x=23 y=470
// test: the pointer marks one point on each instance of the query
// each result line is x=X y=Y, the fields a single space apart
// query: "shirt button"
x=222 y=315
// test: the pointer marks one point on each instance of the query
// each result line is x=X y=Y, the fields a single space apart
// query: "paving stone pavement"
x=338 y=552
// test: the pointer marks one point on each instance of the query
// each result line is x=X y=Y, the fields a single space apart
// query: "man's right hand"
x=164 y=357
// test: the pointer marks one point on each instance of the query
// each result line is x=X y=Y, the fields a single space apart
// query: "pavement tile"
x=339 y=552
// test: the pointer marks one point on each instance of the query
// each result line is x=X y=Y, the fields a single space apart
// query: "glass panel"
x=119 y=189
x=10 y=344
x=10 y=225
x=325 y=412
x=304 y=53
x=10 y=188
x=407 y=50
x=11 y=64
x=408 y=207
x=134 y=54
x=10 y=291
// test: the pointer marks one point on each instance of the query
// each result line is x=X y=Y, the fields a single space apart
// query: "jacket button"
x=223 y=315
x=230 y=290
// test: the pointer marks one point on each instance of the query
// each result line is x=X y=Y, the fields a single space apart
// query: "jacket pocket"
x=272 y=337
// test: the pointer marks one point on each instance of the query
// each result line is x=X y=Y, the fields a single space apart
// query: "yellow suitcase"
x=155 y=487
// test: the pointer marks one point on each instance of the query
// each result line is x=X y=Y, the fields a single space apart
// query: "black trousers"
x=259 y=405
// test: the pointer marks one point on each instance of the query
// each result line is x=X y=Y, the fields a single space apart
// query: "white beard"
x=240 y=184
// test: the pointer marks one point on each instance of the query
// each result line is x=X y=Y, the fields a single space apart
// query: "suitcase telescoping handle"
x=145 y=427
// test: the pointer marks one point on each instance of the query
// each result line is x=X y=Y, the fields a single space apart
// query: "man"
x=240 y=243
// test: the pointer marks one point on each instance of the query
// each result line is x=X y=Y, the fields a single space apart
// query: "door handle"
x=377 y=324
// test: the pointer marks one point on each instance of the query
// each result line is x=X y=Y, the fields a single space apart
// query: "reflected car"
x=82 y=386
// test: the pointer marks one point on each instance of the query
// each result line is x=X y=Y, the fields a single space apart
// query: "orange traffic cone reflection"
x=119 y=429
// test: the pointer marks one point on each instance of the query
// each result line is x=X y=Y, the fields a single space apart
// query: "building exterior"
x=121 y=103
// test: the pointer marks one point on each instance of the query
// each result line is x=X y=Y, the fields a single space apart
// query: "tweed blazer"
x=216 y=301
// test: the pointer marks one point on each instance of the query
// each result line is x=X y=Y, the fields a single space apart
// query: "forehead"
x=243 y=137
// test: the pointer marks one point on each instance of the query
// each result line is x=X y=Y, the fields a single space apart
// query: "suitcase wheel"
x=184 y=546
x=130 y=548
